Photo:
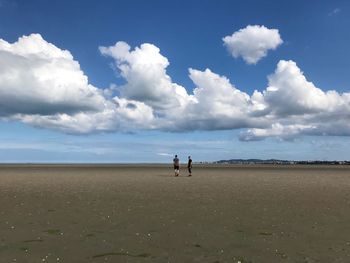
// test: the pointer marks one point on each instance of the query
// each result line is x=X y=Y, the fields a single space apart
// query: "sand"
x=143 y=214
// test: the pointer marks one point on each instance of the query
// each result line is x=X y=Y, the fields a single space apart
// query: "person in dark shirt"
x=189 y=166
x=176 y=163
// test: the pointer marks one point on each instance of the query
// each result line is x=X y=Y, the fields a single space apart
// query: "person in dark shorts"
x=189 y=166
x=176 y=163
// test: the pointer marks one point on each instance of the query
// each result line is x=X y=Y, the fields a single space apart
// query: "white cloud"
x=165 y=154
x=285 y=132
x=296 y=106
x=289 y=93
x=252 y=43
x=216 y=104
x=36 y=77
x=118 y=115
x=144 y=69
x=42 y=85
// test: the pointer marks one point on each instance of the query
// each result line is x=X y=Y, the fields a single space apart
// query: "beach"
x=142 y=213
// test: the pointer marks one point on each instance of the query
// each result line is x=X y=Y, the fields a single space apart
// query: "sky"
x=139 y=81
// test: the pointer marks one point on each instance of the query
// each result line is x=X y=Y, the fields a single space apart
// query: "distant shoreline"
x=219 y=162
x=198 y=164
x=282 y=162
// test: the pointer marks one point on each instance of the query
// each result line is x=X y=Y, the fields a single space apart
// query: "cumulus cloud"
x=289 y=93
x=42 y=85
x=118 y=115
x=214 y=104
x=296 y=106
x=144 y=69
x=252 y=43
x=36 y=77
x=217 y=104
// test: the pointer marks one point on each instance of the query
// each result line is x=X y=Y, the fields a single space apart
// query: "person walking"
x=189 y=166
x=176 y=163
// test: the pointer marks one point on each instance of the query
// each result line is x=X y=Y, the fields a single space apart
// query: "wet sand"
x=143 y=214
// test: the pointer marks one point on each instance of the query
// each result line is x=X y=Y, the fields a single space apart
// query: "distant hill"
x=277 y=161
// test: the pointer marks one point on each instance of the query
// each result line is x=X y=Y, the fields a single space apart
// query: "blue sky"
x=190 y=35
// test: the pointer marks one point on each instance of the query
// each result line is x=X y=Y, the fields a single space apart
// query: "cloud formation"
x=214 y=104
x=294 y=106
x=252 y=42
x=38 y=78
x=42 y=85
x=290 y=93
x=144 y=69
